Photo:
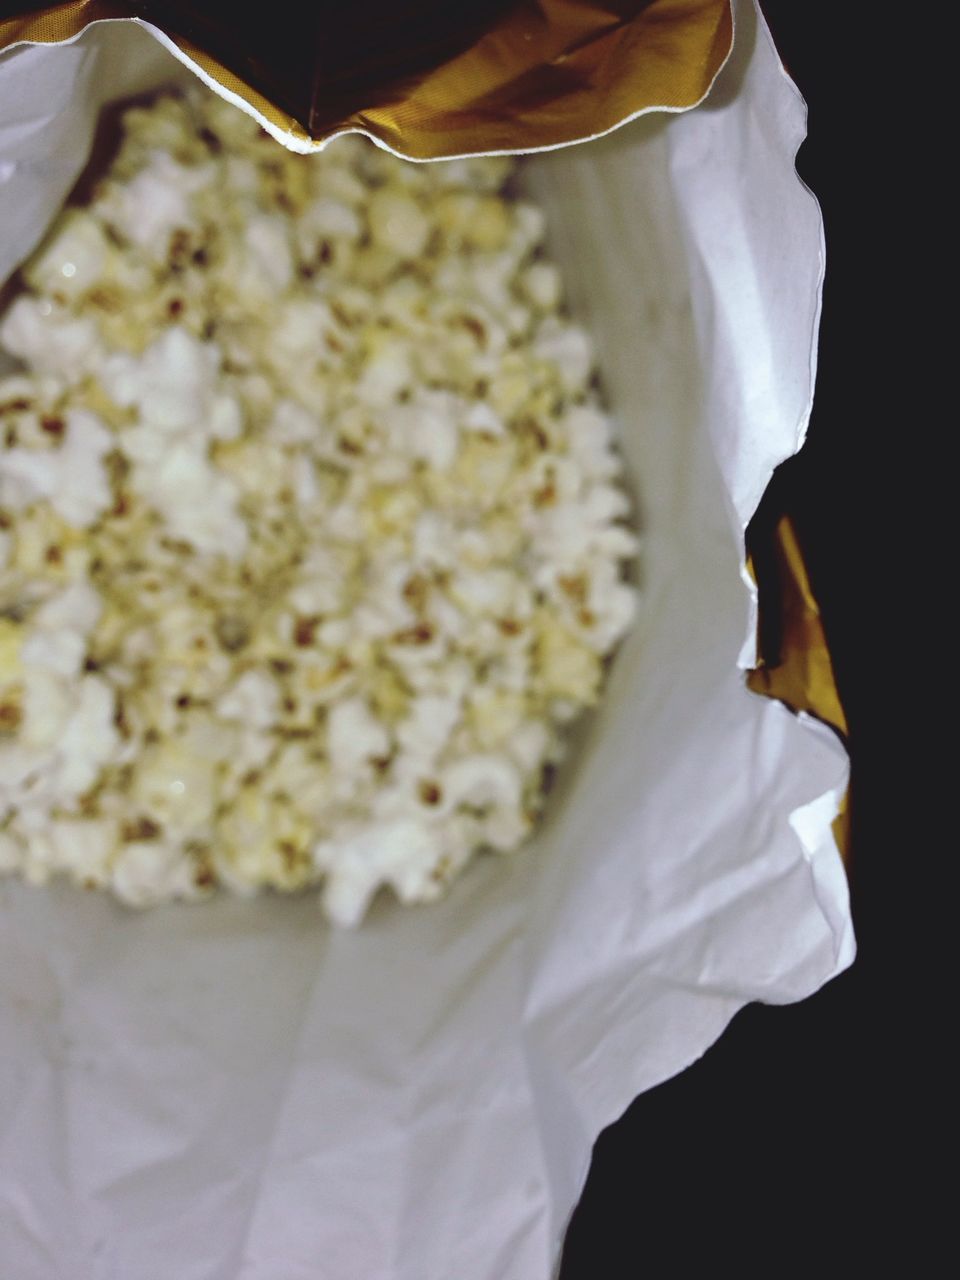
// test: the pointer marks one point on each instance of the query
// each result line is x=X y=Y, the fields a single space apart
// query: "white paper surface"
x=235 y=1092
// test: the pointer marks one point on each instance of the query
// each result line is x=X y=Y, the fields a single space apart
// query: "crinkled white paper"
x=234 y=1091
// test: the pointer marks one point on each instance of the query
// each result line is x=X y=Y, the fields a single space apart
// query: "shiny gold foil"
x=56 y=23
x=538 y=73
x=800 y=672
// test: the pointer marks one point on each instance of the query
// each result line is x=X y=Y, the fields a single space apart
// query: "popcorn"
x=426 y=730
x=269 y=259
x=567 y=668
x=569 y=350
x=489 y=225
x=62 y=652
x=401 y=853
x=328 y=218
x=149 y=207
x=397 y=223
x=78 y=607
x=47 y=706
x=52 y=341
x=541 y=285
x=64 y=736
x=385 y=375
x=531 y=747
x=73 y=478
x=73 y=260
x=83 y=848
x=176 y=786
x=481 y=781
x=355 y=737
x=89 y=738
x=171 y=384
x=253 y=700
x=311 y=536
x=147 y=872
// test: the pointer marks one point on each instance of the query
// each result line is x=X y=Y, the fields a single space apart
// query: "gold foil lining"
x=59 y=22
x=800 y=671
x=543 y=73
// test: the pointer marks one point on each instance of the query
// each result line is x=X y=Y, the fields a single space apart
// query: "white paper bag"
x=234 y=1091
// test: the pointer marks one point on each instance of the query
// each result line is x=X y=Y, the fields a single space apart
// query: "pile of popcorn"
x=311 y=534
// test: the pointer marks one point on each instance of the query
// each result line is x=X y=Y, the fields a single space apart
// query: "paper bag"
x=234 y=1091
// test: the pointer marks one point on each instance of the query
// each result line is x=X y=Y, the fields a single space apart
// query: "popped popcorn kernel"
x=397 y=223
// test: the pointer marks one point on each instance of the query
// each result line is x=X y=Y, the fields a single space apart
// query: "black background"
x=787 y=1144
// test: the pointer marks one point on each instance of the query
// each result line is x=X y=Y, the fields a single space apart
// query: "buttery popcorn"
x=311 y=532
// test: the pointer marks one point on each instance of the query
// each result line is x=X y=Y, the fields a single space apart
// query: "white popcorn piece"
x=354 y=736
x=489 y=591
x=481 y=417
x=398 y=223
x=490 y=225
x=433 y=541
x=73 y=478
x=306 y=486
x=481 y=781
x=83 y=848
x=89 y=739
x=253 y=700
x=401 y=853
x=198 y=502
x=541 y=284
x=530 y=744
x=78 y=607
x=225 y=418
x=49 y=338
x=61 y=652
x=530 y=226
x=496 y=715
x=291 y=424
x=570 y=350
x=241 y=175
x=427 y=729
x=47 y=707
x=26 y=789
x=73 y=259
x=328 y=218
x=264 y=841
x=300 y=334
x=148 y=872
x=170 y=384
x=589 y=439
x=148 y=208
x=176 y=787
x=385 y=375
x=66 y=737
x=268 y=263
x=567 y=668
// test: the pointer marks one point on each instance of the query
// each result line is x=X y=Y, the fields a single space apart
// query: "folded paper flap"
x=430 y=79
